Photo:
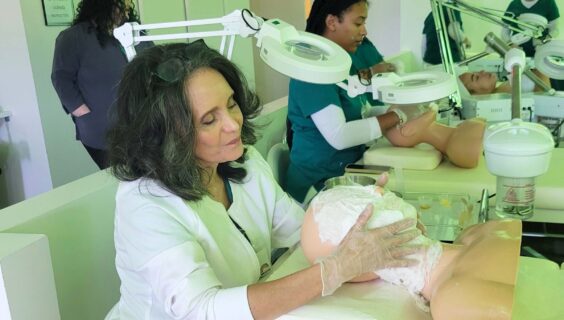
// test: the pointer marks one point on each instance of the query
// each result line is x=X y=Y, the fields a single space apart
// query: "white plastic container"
x=517 y=152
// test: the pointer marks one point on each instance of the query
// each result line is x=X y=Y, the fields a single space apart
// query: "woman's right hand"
x=81 y=110
x=383 y=67
x=364 y=251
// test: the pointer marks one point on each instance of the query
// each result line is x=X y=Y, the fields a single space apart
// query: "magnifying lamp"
x=503 y=48
x=411 y=88
x=549 y=59
x=297 y=54
x=533 y=19
x=527 y=26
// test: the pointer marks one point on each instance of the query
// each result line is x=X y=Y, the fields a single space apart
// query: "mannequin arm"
x=461 y=144
x=422 y=129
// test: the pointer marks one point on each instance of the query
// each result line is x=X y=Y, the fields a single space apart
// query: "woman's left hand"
x=383 y=67
x=381 y=181
x=421 y=226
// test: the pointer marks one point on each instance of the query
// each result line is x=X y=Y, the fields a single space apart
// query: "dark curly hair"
x=153 y=133
x=104 y=16
x=322 y=8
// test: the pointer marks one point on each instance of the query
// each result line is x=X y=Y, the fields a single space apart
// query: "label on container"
x=519 y=195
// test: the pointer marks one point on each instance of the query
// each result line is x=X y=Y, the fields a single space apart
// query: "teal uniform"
x=312 y=159
x=365 y=56
x=545 y=8
x=432 y=53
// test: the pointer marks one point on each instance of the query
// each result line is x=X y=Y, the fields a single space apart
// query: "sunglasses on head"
x=173 y=69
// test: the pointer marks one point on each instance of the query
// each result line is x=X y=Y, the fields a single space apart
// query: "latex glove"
x=420 y=226
x=382 y=179
x=363 y=251
x=408 y=112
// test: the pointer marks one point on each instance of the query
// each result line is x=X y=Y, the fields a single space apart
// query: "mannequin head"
x=481 y=82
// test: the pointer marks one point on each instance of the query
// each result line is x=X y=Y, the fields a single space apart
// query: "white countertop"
x=447 y=178
x=368 y=300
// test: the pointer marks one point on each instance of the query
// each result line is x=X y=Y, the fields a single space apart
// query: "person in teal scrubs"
x=545 y=8
x=326 y=127
x=367 y=57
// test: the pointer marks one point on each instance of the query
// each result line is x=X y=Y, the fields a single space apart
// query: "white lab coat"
x=187 y=260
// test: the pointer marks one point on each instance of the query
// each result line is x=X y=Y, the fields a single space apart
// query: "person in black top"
x=431 y=47
x=87 y=67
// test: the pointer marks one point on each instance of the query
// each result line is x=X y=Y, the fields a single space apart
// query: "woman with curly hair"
x=87 y=66
x=328 y=129
x=198 y=211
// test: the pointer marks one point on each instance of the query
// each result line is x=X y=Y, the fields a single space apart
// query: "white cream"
x=337 y=209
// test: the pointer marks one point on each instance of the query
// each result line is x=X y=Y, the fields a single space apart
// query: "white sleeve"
x=286 y=222
x=553 y=29
x=339 y=133
x=287 y=214
x=455 y=32
x=188 y=289
x=423 y=45
x=506 y=34
x=168 y=257
x=374 y=111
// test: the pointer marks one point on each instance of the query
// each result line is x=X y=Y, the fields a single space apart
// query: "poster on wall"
x=58 y=12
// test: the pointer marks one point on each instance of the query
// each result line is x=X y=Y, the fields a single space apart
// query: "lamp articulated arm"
x=238 y=23
x=297 y=54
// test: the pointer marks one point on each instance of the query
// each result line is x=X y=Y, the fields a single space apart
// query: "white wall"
x=476 y=28
x=396 y=26
x=23 y=156
x=383 y=25
x=271 y=85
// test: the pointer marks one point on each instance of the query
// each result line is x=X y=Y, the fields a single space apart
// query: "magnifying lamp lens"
x=549 y=59
x=306 y=50
x=414 y=83
x=556 y=61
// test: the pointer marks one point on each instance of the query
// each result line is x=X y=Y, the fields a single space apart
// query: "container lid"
x=518 y=138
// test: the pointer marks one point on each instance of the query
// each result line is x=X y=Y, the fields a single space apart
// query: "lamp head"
x=517 y=149
x=302 y=55
x=535 y=21
x=549 y=59
x=418 y=87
